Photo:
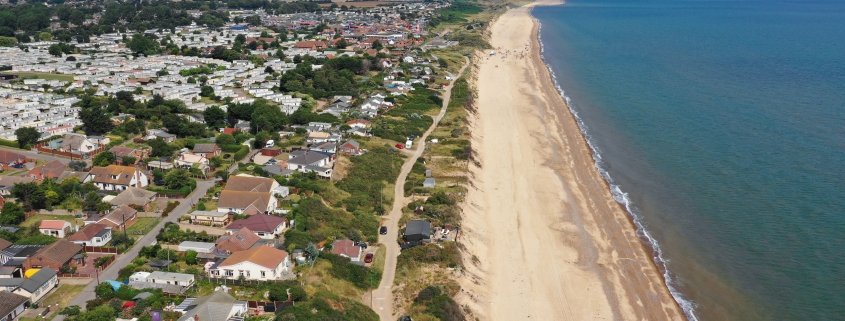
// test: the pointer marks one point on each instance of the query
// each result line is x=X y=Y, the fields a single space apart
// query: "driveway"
x=124 y=259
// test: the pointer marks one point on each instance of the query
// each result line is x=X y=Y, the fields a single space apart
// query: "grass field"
x=142 y=225
x=42 y=75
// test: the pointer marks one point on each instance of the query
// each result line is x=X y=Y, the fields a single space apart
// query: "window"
x=263 y=274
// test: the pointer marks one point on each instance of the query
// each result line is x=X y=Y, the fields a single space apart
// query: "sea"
x=720 y=126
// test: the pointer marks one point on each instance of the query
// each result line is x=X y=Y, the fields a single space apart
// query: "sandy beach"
x=545 y=240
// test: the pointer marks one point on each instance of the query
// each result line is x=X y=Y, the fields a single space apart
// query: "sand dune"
x=548 y=240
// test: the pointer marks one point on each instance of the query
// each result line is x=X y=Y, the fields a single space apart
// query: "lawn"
x=61 y=297
x=33 y=221
x=43 y=75
x=142 y=225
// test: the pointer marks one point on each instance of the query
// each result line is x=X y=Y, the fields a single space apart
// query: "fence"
x=45 y=150
x=74 y=275
x=101 y=249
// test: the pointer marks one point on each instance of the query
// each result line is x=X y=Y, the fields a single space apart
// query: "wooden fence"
x=101 y=249
x=41 y=148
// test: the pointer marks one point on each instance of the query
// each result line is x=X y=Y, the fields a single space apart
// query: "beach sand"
x=544 y=238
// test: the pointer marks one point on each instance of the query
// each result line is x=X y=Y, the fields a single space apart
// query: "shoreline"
x=597 y=266
x=650 y=244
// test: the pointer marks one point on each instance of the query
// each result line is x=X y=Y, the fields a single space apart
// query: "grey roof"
x=418 y=227
x=306 y=157
x=170 y=276
x=197 y=245
x=209 y=213
x=41 y=277
x=215 y=307
x=10 y=301
x=11 y=282
x=133 y=196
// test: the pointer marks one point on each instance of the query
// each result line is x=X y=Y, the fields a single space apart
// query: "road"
x=124 y=259
x=382 y=297
x=35 y=155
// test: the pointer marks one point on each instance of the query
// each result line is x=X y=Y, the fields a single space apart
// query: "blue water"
x=724 y=122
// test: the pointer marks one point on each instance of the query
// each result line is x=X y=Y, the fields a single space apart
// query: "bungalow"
x=210 y=218
x=134 y=196
x=199 y=247
x=119 y=217
x=217 y=306
x=249 y=203
x=350 y=147
x=242 y=239
x=55 y=228
x=54 y=256
x=35 y=287
x=311 y=161
x=117 y=177
x=160 y=134
x=207 y=150
x=169 y=282
x=417 y=231
x=259 y=263
x=92 y=235
x=327 y=147
x=52 y=169
x=247 y=183
x=188 y=160
x=263 y=225
x=347 y=249
x=122 y=151
x=13 y=305
x=77 y=144
x=8 y=182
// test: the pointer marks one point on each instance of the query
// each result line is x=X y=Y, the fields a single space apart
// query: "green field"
x=42 y=75
x=142 y=225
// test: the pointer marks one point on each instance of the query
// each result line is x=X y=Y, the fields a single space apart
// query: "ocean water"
x=721 y=125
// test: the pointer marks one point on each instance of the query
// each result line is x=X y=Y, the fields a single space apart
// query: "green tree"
x=11 y=214
x=91 y=201
x=104 y=159
x=27 y=136
x=266 y=117
x=30 y=195
x=95 y=120
x=191 y=257
x=215 y=117
x=128 y=160
x=177 y=179
x=104 y=291
x=141 y=44
x=55 y=50
x=160 y=148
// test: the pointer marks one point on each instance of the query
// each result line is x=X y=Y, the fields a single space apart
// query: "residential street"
x=382 y=297
x=35 y=155
x=124 y=259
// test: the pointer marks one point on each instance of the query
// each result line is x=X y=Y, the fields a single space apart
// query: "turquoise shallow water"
x=723 y=124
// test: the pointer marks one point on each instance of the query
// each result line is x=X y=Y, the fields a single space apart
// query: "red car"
x=400 y=146
x=368 y=258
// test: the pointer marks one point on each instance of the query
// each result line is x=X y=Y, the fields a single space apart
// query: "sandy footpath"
x=548 y=240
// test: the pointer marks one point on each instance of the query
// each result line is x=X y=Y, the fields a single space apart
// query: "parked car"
x=368 y=258
x=382 y=230
x=400 y=146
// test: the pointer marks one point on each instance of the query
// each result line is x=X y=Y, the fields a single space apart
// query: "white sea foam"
x=687 y=305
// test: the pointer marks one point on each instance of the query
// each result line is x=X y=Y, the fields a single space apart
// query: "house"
x=117 y=177
x=8 y=182
x=417 y=231
x=11 y=305
x=217 y=306
x=10 y=159
x=249 y=203
x=247 y=183
x=207 y=150
x=169 y=282
x=122 y=151
x=311 y=45
x=52 y=169
x=308 y=161
x=258 y=263
x=327 y=147
x=92 y=235
x=55 y=228
x=199 y=247
x=210 y=218
x=347 y=249
x=54 y=256
x=119 y=217
x=189 y=160
x=351 y=148
x=36 y=286
x=134 y=196
x=358 y=123
x=242 y=239
x=78 y=144
x=160 y=134
x=263 y=225
x=17 y=255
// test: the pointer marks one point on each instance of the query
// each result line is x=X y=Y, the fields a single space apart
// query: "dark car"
x=368 y=258
x=382 y=230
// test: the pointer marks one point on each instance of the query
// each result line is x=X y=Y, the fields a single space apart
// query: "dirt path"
x=381 y=299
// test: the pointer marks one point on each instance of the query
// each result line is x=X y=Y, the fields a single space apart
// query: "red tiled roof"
x=52 y=224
